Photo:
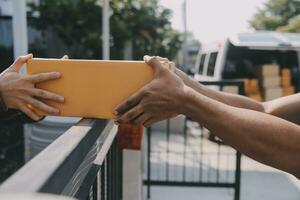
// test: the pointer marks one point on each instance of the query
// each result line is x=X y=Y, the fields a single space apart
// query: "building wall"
x=6 y=8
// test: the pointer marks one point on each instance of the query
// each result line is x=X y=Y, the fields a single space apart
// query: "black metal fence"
x=180 y=152
x=84 y=163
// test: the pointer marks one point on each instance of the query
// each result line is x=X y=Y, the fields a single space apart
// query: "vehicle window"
x=201 y=66
x=211 y=64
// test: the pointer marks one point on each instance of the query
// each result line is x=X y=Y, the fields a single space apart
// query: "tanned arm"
x=263 y=137
x=285 y=107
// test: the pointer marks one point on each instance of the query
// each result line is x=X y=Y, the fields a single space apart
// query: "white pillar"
x=132 y=175
x=105 y=30
x=20 y=39
x=184 y=18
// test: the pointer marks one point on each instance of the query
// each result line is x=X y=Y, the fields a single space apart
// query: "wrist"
x=182 y=75
x=186 y=100
x=188 y=80
x=3 y=107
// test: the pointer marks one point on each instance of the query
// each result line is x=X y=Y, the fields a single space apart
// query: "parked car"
x=240 y=55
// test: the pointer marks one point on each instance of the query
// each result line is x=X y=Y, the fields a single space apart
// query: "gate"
x=180 y=152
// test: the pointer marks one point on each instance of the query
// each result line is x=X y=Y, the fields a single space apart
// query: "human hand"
x=160 y=99
x=20 y=93
x=188 y=81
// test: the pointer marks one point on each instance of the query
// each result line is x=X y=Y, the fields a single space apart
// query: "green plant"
x=143 y=23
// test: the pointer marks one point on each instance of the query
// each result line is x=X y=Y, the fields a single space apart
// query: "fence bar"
x=206 y=164
x=148 y=161
x=168 y=149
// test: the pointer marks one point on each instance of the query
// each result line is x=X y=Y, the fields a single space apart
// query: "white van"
x=239 y=56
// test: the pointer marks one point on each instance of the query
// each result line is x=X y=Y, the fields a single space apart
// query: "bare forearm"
x=285 y=107
x=229 y=99
x=266 y=138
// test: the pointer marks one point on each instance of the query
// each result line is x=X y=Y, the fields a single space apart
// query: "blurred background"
x=254 y=40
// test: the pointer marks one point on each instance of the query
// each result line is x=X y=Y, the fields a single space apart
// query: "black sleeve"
x=8 y=116
x=14 y=116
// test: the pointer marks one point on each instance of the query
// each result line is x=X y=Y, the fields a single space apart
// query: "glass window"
x=211 y=64
x=201 y=66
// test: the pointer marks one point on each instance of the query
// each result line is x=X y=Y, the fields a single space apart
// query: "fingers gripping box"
x=92 y=88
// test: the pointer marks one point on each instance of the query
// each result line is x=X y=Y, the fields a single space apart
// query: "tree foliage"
x=142 y=23
x=279 y=15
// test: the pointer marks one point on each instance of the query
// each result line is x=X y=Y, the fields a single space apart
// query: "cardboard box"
x=288 y=90
x=271 y=81
x=272 y=93
x=286 y=72
x=92 y=88
x=251 y=86
x=231 y=89
x=286 y=81
x=270 y=70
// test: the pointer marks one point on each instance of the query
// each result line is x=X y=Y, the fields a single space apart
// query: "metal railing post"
x=148 y=162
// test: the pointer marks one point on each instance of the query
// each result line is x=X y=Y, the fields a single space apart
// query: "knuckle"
x=151 y=60
x=24 y=90
x=119 y=121
x=40 y=76
x=38 y=104
x=144 y=106
x=155 y=58
x=148 y=93
x=26 y=79
x=129 y=103
x=41 y=93
x=164 y=70
x=21 y=97
x=130 y=115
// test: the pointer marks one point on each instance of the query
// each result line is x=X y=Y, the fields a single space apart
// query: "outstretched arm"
x=266 y=138
x=285 y=107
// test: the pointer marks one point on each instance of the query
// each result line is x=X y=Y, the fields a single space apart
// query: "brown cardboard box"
x=92 y=88
x=286 y=81
x=288 y=90
x=286 y=72
x=251 y=86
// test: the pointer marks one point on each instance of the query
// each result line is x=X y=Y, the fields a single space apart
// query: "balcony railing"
x=182 y=158
x=83 y=163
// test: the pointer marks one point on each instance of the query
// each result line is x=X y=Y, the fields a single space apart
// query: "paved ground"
x=258 y=182
x=205 y=164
